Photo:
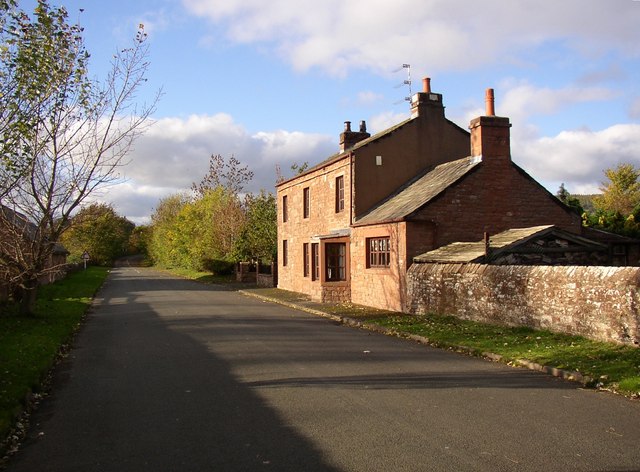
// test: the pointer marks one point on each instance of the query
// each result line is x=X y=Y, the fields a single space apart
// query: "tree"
x=73 y=140
x=621 y=194
x=258 y=240
x=100 y=231
x=162 y=245
x=229 y=175
x=565 y=197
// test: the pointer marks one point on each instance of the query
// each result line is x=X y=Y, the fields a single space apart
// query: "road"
x=171 y=375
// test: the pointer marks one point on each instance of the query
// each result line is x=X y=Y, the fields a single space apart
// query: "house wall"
x=322 y=220
x=423 y=142
x=494 y=198
x=596 y=302
x=379 y=287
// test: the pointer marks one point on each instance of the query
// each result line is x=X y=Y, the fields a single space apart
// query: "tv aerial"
x=405 y=83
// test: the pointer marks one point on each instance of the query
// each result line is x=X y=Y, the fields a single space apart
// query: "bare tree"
x=75 y=144
x=229 y=175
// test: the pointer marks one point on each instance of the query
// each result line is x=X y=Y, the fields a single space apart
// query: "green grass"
x=201 y=276
x=29 y=345
x=610 y=365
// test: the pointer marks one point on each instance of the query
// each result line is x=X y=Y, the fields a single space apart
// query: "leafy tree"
x=258 y=238
x=617 y=209
x=621 y=194
x=565 y=197
x=162 y=245
x=65 y=136
x=100 y=231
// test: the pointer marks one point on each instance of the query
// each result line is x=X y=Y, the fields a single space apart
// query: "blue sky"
x=272 y=82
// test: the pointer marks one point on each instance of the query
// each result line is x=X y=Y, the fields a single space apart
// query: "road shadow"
x=136 y=395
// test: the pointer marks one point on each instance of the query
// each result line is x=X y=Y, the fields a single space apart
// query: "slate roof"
x=418 y=192
x=467 y=252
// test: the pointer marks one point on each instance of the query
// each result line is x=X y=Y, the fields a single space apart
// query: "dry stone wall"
x=596 y=302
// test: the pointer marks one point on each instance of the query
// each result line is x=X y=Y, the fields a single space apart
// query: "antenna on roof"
x=405 y=83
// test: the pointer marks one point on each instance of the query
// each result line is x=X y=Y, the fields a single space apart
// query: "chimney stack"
x=349 y=138
x=490 y=135
x=426 y=102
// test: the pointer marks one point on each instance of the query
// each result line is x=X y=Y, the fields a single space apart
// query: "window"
x=315 y=261
x=336 y=258
x=305 y=201
x=285 y=255
x=378 y=252
x=339 y=194
x=305 y=258
x=285 y=209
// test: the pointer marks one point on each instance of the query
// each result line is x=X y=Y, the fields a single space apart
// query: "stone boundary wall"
x=596 y=302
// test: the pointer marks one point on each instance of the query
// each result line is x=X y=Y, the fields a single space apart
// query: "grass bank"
x=610 y=366
x=30 y=345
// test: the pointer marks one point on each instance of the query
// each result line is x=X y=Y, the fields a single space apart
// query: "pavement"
x=302 y=302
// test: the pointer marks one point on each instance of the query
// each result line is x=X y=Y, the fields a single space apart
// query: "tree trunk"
x=28 y=300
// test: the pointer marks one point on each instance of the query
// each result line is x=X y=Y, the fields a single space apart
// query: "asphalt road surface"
x=171 y=375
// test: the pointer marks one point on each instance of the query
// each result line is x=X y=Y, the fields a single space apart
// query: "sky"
x=272 y=82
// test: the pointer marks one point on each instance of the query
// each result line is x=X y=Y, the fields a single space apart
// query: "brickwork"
x=323 y=219
x=378 y=287
x=596 y=302
x=493 y=198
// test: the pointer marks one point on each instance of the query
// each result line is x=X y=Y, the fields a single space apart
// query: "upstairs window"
x=306 y=209
x=339 y=194
x=378 y=252
x=285 y=209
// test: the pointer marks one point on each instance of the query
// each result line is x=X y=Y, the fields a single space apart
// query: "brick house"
x=349 y=227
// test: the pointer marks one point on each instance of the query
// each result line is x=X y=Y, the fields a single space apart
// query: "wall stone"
x=596 y=302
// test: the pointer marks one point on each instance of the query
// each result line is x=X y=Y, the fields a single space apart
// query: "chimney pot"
x=347 y=126
x=363 y=126
x=489 y=102
x=426 y=85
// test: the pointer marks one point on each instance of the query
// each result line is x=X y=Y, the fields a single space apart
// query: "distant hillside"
x=586 y=201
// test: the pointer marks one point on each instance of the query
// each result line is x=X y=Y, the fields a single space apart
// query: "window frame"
x=379 y=252
x=335 y=260
x=315 y=261
x=340 y=194
x=285 y=253
x=306 y=202
x=305 y=259
x=285 y=208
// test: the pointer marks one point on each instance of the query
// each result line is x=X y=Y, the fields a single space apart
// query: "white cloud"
x=522 y=100
x=175 y=152
x=579 y=157
x=336 y=36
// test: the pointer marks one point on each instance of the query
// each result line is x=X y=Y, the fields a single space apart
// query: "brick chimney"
x=490 y=135
x=349 y=138
x=425 y=102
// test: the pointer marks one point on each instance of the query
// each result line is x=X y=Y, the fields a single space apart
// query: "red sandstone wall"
x=322 y=220
x=494 y=198
x=378 y=287
x=596 y=302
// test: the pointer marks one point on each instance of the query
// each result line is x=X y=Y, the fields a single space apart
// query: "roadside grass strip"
x=604 y=365
x=30 y=345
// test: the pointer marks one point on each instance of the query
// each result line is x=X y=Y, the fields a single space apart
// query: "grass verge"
x=29 y=346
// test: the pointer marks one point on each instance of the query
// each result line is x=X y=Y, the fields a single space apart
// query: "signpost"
x=85 y=258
